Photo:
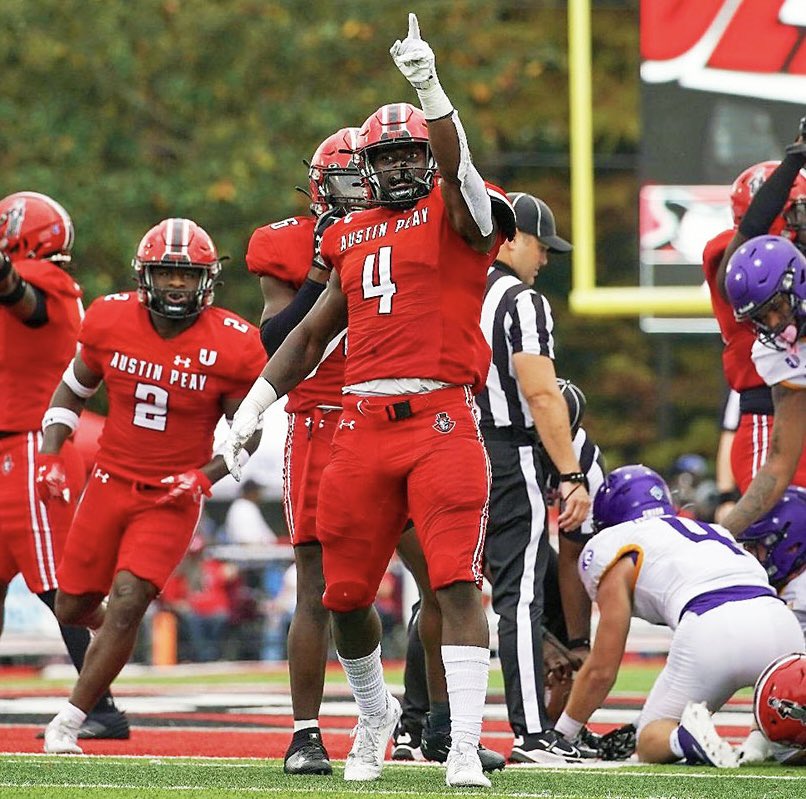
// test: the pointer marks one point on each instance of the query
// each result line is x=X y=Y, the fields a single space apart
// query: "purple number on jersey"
x=708 y=533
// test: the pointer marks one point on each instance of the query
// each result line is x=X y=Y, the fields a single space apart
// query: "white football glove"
x=244 y=425
x=415 y=58
x=245 y=422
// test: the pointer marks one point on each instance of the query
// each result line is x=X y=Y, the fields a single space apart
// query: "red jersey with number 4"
x=737 y=363
x=165 y=395
x=32 y=359
x=284 y=250
x=414 y=291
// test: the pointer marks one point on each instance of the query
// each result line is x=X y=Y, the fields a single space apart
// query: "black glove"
x=618 y=744
x=322 y=224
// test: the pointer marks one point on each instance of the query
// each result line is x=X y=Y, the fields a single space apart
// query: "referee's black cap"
x=533 y=216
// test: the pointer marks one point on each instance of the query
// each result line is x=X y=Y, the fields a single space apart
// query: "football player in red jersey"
x=408 y=281
x=767 y=197
x=281 y=253
x=172 y=364
x=40 y=313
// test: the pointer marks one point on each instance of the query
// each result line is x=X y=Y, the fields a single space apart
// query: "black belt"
x=756 y=400
x=7 y=433
x=515 y=435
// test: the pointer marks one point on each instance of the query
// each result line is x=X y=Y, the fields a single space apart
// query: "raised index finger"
x=414 y=27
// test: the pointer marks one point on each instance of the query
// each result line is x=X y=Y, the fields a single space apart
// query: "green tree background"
x=131 y=112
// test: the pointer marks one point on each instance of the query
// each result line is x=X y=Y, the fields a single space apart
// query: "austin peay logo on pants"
x=443 y=423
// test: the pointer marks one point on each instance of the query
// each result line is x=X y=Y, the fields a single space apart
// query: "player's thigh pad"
x=361 y=513
x=157 y=537
x=308 y=448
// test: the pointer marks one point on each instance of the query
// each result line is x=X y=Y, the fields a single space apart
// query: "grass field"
x=160 y=776
x=43 y=777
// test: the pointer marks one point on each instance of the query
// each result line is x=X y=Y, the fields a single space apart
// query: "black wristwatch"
x=574 y=477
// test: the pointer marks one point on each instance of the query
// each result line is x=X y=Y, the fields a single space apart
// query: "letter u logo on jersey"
x=207 y=357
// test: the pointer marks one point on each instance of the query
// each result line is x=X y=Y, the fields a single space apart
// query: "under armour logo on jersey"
x=102 y=476
x=345 y=423
x=443 y=423
x=180 y=361
x=8 y=464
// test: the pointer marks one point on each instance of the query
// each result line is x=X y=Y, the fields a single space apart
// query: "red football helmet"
x=794 y=213
x=779 y=700
x=183 y=244
x=33 y=225
x=746 y=185
x=333 y=177
x=390 y=126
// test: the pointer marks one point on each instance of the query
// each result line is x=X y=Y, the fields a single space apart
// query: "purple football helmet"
x=761 y=273
x=778 y=539
x=631 y=492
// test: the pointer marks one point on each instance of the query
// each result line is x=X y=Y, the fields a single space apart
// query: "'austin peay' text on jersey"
x=165 y=395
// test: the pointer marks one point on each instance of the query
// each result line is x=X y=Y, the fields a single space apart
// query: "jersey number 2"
x=384 y=288
x=152 y=411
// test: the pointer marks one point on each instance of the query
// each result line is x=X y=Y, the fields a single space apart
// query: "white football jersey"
x=676 y=560
x=776 y=367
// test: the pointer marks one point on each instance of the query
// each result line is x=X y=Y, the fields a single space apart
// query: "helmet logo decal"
x=656 y=492
x=788 y=709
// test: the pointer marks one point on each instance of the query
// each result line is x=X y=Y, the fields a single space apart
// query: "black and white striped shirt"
x=514 y=318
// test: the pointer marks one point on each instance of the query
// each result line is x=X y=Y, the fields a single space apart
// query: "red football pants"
x=32 y=533
x=751 y=447
x=394 y=458
x=119 y=527
x=307 y=452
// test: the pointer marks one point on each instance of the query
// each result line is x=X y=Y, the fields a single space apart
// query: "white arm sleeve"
x=472 y=184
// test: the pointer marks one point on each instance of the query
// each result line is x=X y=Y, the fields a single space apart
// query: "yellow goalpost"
x=587 y=298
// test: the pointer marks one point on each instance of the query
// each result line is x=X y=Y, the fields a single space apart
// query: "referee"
x=520 y=404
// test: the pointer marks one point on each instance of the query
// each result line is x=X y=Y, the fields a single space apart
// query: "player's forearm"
x=764 y=491
x=575 y=601
x=591 y=687
x=294 y=359
x=54 y=434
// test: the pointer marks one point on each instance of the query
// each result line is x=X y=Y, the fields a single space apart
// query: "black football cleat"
x=103 y=725
x=307 y=754
x=436 y=744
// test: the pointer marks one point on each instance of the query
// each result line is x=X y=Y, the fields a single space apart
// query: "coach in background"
x=520 y=404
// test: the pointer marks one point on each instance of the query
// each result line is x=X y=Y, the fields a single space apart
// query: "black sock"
x=439 y=717
x=77 y=639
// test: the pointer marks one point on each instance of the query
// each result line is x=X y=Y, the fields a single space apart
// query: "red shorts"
x=307 y=452
x=751 y=447
x=119 y=527
x=430 y=465
x=32 y=534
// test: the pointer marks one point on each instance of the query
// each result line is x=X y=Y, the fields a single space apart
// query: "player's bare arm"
x=463 y=190
x=598 y=674
x=76 y=387
x=294 y=360
x=277 y=294
x=786 y=446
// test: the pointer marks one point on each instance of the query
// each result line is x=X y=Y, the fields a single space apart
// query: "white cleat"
x=700 y=741
x=464 y=768
x=372 y=734
x=61 y=737
x=754 y=749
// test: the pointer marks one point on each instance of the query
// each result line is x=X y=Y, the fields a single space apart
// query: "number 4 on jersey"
x=383 y=288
